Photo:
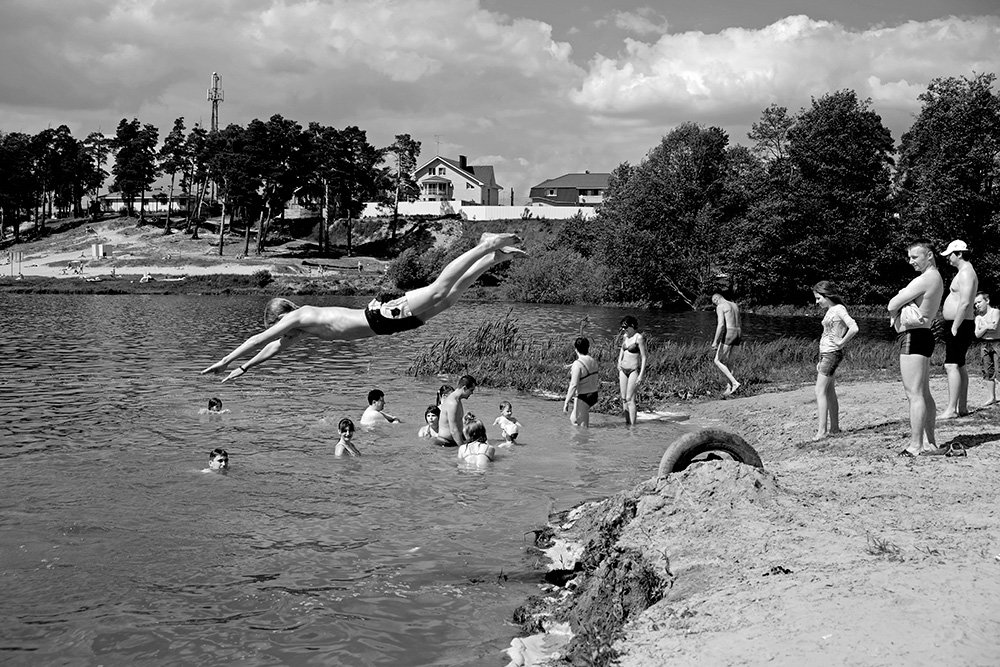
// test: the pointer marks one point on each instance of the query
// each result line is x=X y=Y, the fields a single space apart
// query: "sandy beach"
x=839 y=552
x=133 y=252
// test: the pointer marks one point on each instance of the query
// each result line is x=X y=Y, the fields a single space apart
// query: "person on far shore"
x=631 y=366
x=508 y=423
x=988 y=329
x=838 y=329
x=959 y=330
x=432 y=415
x=344 y=445
x=916 y=344
x=450 y=431
x=728 y=334
x=476 y=451
x=375 y=412
x=584 y=383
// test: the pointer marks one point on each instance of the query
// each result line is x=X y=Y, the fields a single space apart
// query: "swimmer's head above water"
x=218 y=459
x=215 y=404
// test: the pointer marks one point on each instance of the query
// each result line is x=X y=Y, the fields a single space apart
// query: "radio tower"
x=215 y=96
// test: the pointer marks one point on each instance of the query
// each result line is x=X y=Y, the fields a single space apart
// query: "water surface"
x=116 y=548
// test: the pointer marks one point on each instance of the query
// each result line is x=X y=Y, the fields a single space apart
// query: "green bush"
x=261 y=278
x=553 y=276
x=415 y=268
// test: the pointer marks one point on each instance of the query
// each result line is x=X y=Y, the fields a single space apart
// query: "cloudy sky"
x=537 y=88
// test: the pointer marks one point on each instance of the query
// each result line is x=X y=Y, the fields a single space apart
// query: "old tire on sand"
x=709 y=443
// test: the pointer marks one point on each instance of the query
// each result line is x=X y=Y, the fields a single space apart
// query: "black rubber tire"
x=683 y=450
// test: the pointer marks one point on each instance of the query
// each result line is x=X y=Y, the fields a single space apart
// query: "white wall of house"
x=475 y=212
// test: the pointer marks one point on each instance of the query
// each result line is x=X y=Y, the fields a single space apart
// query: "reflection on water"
x=117 y=548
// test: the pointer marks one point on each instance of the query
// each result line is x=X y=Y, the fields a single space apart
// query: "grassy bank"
x=497 y=354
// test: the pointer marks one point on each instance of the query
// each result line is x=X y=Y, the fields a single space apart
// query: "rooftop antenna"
x=215 y=96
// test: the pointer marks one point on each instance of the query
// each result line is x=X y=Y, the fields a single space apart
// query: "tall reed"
x=497 y=354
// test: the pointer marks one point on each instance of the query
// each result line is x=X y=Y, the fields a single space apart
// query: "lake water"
x=116 y=548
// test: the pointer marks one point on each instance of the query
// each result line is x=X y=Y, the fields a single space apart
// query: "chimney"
x=463 y=162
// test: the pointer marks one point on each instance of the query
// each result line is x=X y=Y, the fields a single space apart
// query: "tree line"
x=819 y=194
x=255 y=169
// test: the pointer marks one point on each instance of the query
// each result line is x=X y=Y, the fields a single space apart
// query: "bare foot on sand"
x=951 y=415
x=732 y=389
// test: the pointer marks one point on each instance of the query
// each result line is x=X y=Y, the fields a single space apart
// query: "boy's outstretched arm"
x=275 y=333
x=269 y=350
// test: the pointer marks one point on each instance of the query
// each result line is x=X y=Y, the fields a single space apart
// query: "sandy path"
x=841 y=553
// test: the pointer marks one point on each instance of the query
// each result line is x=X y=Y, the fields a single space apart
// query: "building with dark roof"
x=586 y=189
x=444 y=179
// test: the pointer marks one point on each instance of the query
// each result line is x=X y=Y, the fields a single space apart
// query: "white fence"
x=476 y=212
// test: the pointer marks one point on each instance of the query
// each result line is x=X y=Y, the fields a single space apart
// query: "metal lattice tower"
x=215 y=96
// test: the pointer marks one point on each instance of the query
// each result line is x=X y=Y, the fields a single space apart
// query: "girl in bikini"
x=584 y=383
x=631 y=366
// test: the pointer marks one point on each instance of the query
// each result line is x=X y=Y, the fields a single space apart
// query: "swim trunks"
x=828 y=362
x=391 y=317
x=916 y=341
x=590 y=399
x=955 y=347
x=988 y=354
x=733 y=338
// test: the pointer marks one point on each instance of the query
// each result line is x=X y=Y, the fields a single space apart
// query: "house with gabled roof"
x=444 y=179
x=576 y=189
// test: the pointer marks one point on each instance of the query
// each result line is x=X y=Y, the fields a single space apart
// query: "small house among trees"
x=444 y=179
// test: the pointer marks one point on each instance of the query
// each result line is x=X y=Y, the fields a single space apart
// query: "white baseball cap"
x=955 y=246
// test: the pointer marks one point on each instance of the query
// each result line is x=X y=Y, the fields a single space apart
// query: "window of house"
x=441 y=171
x=551 y=193
x=469 y=186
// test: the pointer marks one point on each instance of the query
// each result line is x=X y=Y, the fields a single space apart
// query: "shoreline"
x=838 y=552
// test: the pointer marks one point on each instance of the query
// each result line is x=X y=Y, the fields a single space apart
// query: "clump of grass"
x=883 y=548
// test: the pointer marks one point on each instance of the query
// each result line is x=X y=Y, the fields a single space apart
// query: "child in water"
x=214 y=407
x=476 y=451
x=345 y=446
x=508 y=423
x=432 y=415
x=218 y=460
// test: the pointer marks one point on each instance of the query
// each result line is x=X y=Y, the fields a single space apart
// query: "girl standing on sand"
x=838 y=329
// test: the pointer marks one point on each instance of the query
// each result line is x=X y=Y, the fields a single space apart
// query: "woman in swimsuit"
x=584 y=383
x=287 y=321
x=631 y=366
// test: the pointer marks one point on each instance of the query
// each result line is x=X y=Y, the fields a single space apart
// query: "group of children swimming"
x=476 y=449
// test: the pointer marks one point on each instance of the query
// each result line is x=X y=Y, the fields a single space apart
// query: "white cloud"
x=709 y=77
x=643 y=21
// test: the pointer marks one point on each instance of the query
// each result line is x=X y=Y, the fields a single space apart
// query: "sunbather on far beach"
x=385 y=315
